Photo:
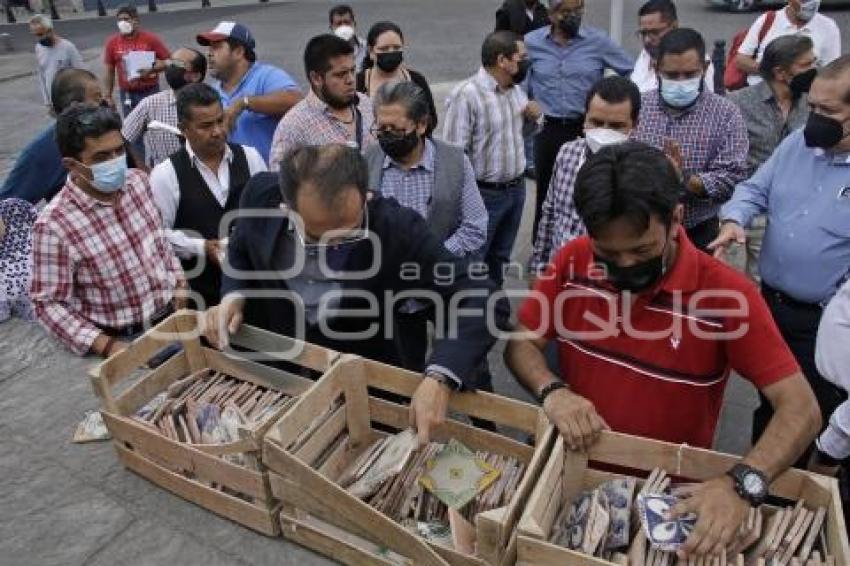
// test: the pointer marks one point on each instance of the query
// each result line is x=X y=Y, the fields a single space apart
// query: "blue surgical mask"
x=680 y=94
x=808 y=9
x=109 y=176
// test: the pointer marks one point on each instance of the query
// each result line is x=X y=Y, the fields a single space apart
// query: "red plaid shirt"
x=97 y=265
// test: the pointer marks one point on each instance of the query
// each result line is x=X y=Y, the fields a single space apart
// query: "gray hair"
x=406 y=94
x=41 y=20
x=782 y=52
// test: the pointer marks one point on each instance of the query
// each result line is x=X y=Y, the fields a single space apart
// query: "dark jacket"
x=513 y=17
x=405 y=240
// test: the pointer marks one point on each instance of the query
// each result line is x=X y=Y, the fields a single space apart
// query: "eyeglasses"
x=332 y=238
x=390 y=132
x=653 y=33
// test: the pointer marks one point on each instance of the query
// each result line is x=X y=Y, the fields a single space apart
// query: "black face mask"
x=46 y=41
x=175 y=77
x=823 y=132
x=389 y=62
x=634 y=278
x=522 y=71
x=570 y=25
x=397 y=147
x=801 y=83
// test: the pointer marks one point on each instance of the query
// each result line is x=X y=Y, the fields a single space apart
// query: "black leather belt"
x=501 y=186
x=133 y=330
x=788 y=300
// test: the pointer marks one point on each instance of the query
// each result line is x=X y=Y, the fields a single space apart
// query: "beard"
x=337 y=102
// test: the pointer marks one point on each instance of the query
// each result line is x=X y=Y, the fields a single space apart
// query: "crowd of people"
x=350 y=216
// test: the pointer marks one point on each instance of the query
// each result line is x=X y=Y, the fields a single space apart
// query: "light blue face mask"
x=808 y=9
x=109 y=176
x=680 y=94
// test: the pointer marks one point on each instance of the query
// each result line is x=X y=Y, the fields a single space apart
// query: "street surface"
x=74 y=504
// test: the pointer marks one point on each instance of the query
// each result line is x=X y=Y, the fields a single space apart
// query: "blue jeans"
x=504 y=208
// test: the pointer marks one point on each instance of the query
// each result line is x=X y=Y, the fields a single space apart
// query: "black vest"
x=199 y=211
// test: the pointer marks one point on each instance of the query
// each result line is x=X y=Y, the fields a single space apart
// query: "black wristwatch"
x=750 y=483
x=550 y=388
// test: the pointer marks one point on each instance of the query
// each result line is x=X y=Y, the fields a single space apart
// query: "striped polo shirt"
x=656 y=364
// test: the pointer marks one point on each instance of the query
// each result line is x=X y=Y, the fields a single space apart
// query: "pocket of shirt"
x=837 y=218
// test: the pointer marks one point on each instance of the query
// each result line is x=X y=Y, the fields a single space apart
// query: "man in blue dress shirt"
x=567 y=59
x=255 y=95
x=804 y=188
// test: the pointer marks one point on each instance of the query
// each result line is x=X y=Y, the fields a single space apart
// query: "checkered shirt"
x=414 y=188
x=98 y=265
x=159 y=145
x=713 y=138
x=559 y=222
x=310 y=122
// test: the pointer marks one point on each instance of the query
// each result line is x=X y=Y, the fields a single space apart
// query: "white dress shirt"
x=646 y=79
x=166 y=193
x=833 y=360
x=822 y=30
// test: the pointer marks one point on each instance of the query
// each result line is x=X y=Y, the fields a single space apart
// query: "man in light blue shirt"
x=567 y=59
x=254 y=95
x=804 y=189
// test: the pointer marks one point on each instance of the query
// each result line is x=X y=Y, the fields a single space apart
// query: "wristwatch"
x=246 y=103
x=750 y=483
x=550 y=388
x=443 y=380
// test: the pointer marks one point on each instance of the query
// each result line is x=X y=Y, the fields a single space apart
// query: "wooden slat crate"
x=191 y=470
x=568 y=473
x=319 y=514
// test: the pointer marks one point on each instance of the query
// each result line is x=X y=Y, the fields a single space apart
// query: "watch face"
x=753 y=484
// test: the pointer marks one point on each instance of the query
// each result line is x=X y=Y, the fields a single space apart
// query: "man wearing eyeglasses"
x=657 y=18
x=314 y=255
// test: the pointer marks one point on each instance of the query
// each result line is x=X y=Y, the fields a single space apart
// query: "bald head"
x=74 y=85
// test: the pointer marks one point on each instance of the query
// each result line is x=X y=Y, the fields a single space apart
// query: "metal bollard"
x=101 y=9
x=6 y=40
x=152 y=6
x=10 y=14
x=718 y=59
x=205 y=3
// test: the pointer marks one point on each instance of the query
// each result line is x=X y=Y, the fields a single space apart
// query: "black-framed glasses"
x=333 y=238
x=391 y=132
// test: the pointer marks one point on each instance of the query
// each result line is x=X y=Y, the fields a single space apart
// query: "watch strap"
x=550 y=388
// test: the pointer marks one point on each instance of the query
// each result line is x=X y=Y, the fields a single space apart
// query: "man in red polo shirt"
x=131 y=38
x=648 y=329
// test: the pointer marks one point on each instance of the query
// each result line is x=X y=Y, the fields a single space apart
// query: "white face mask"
x=597 y=138
x=344 y=32
x=125 y=27
x=808 y=9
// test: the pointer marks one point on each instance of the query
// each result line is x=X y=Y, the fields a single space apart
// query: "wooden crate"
x=318 y=514
x=169 y=463
x=568 y=473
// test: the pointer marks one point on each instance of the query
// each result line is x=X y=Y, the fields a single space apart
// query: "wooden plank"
x=302 y=487
x=531 y=552
x=119 y=366
x=178 y=456
x=396 y=416
x=329 y=544
x=357 y=403
x=502 y=410
x=186 y=322
x=310 y=405
x=276 y=346
x=283 y=381
x=260 y=519
x=152 y=384
x=323 y=437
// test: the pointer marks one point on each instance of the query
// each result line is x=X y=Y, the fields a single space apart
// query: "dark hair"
x=321 y=49
x=498 y=43
x=250 y=54
x=616 y=89
x=69 y=86
x=195 y=94
x=340 y=10
x=129 y=11
x=330 y=169
x=665 y=8
x=199 y=63
x=680 y=41
x=81 y=121
x=782 y=52
x=407 y=94
x=837 y=69
x=629 y=180
x=380 y=28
